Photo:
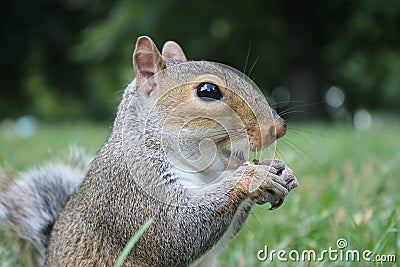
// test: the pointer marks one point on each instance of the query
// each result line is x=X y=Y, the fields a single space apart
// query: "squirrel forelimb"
x=176 y=154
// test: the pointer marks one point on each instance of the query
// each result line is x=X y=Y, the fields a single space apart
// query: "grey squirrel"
x=176 y=154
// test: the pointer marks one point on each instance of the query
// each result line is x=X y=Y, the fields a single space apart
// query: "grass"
x=349 y=188
x=131 y=243
x=49 y=141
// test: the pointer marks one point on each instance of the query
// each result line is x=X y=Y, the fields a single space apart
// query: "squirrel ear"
x=147 y=61
x=172 y=50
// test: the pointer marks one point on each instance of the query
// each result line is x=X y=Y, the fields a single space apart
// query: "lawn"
x=348 y=193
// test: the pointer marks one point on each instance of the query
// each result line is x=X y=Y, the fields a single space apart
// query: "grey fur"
x=133 y=179
x=32 y=201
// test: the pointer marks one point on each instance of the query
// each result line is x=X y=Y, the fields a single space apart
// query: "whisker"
x=295 y=147
x=298 y=131
x=303 y=106
x=247 y=57
x=280 y=154
x=286 y=102
x=252 y=67
x=284 y=113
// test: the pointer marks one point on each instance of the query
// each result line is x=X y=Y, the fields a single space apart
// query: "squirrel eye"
x=209 y=92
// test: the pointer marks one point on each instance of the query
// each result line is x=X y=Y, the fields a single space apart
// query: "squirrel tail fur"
x=31 y=201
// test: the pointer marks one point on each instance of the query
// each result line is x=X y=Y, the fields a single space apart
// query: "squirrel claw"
x=277 y=204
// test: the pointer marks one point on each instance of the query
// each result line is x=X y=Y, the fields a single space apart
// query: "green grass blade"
x=388 y=230
x=131 y=243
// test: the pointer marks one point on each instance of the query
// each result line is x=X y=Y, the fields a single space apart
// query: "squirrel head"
x=207 y=115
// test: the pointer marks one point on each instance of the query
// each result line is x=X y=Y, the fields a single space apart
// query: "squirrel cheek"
x=280 y=127
x=259 y=138
x=273 y=132
x=266 y=135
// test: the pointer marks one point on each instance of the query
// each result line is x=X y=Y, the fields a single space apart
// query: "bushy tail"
x=31 y=202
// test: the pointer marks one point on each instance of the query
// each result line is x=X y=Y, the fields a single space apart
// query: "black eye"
x=208 y=92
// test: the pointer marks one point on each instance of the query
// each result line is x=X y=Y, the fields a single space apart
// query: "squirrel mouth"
x=233 y=159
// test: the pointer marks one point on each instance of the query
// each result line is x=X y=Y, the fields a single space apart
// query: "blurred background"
x=325 y=60
x=331 y=68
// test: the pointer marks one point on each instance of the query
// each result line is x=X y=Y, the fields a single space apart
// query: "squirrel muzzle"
x=270 y=133
x=280 y=126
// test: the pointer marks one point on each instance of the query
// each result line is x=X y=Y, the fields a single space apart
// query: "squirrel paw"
x=272 y=182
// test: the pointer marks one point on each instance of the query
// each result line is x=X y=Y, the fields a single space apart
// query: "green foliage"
x=131 y=243
x=348 y=189
x=18 y=153
x=73 y=60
